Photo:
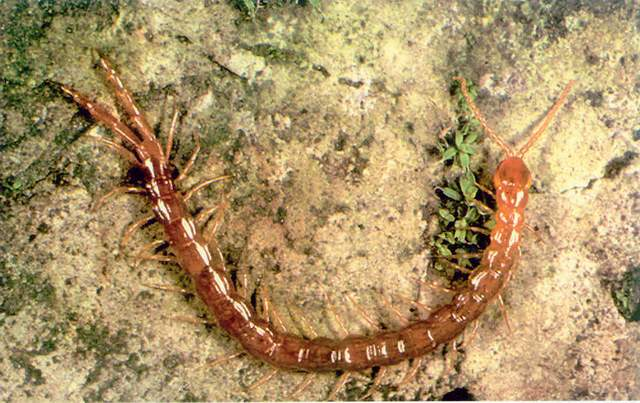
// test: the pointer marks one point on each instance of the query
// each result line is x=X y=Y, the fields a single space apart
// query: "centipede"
x=198 y=253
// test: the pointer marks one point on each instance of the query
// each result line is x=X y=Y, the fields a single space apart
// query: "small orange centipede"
x=199 y=255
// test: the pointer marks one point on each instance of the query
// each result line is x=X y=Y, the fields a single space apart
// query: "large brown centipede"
x=199 y=255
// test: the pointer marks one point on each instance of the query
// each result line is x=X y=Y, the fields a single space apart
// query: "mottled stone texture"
x=326 y=119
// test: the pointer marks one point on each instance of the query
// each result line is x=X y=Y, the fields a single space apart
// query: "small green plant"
x=250 y=7
x=626 y=295
x=464 y=217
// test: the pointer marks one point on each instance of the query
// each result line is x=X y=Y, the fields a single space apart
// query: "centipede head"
x=512 y=173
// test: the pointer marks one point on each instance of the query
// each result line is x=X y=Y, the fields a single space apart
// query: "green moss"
x=32 y=375
x=281 y=215
x=274 y=54
x=20 y=288
x=616 y=165
x=97 y=340
x=22 y=73
x=85 y=169
x=626 y=295
x=51 y=163
x=133 y=363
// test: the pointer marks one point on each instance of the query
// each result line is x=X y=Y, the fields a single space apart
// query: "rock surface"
x=326 y=119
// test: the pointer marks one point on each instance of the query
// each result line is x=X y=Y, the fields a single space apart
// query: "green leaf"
x=471 y=138
x=459 y=138
x=452 y=194
x=468 y=187
x=443 y=250
x=446 y=215
x=472 y=238
x=464 y=160
x=460 y=235
x=472 y=215
x=467 y=148
x=449 y=153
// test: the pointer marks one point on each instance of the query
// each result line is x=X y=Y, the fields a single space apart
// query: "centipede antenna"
x=547 y=119
x=483 y=122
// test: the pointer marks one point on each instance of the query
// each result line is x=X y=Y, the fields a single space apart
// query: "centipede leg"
x=172 y=131
x=243 y=284
x=210 y=232
x=455 y=266
x=263 y=379
x=115 y=191
x=505 y=314
x=342 y=380
x=343 y=332
x=132 y=228
x=377 y=380
x=342 y=329
x=126 y=154
x=270 y=314
x=461 y=256
x=411 y=373
x=170 y=288
x=191 y=161
x=432 y=284
x=401 y=318
x=306 y=327
x=144 y=254
x=489 y=210
x=306 y=381
x=204 y=184
x=419 y=305
x=362 y=313
x=225 y=358
x=474 y=330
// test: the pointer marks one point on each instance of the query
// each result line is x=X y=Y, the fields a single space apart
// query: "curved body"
x=205 y=264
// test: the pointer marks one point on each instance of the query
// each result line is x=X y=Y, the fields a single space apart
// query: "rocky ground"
x=326 y=119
